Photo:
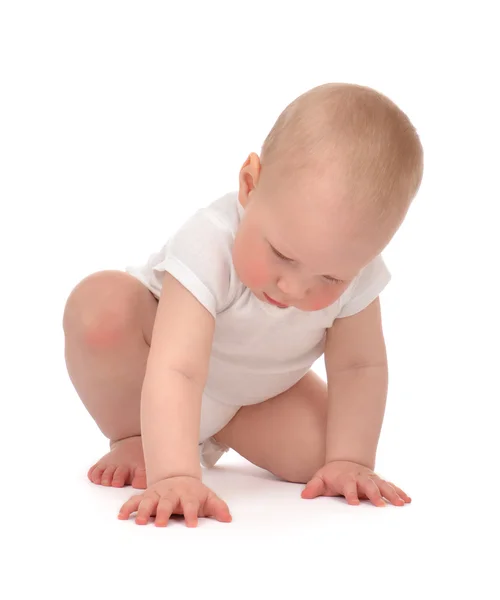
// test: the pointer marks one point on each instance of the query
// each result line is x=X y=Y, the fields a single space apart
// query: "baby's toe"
x=107 y=476
x=139 y=478
x=120 y=477
x=95 y=473
x=90 y=471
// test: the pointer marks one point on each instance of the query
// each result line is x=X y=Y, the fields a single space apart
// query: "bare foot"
x=123 y=465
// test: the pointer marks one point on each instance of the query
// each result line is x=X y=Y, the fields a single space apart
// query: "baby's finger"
x=130 y=506
x=218 y=508
x=146 y=509
x=370 y=488
x=315 y=487
x=164 y=511
x=190 y=508
x=350 y=491
x=387 y=490
x=400 y=492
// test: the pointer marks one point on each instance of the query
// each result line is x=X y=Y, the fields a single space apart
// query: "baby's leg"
x=108 y=322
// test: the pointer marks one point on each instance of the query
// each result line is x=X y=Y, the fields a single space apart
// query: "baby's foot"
x=123 y=465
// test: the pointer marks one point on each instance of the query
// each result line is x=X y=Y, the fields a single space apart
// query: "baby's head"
x=334 y=181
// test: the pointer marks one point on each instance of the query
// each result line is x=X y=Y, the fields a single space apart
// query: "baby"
x=209 y=345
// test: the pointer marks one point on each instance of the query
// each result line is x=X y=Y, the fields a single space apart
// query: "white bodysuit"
x=259 y=350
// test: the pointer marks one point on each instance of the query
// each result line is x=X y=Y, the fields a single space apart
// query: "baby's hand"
x=344 y=478
x=176 y=495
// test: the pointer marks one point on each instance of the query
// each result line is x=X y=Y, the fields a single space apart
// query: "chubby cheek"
x=252 y=266
x=322 y=298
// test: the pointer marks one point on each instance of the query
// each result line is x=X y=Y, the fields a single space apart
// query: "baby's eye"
x=279 y=255
x=326 y=277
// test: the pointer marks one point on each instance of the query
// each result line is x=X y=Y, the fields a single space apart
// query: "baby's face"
x=295 y=248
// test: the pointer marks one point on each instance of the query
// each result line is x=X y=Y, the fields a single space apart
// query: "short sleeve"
x=365 y=288
x=199 y=255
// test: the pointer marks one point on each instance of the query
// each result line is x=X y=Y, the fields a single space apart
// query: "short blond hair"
x=357 y=133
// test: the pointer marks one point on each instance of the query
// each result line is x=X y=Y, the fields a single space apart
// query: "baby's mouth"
x=275 y=302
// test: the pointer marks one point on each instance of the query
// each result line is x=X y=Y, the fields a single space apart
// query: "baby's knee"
x=99 y=310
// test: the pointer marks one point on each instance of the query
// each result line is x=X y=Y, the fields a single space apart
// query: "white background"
x=117 y=120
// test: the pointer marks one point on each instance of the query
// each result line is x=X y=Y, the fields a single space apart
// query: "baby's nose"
x=293 y=289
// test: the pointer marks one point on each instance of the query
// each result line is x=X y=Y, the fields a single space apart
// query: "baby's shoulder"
x=210 y=228
x=224 y=212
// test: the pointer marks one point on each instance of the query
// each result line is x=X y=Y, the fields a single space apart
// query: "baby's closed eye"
x=328 y=278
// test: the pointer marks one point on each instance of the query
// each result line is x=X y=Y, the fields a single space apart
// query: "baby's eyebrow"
x=296 y=261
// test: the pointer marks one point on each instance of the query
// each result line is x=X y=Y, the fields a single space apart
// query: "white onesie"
x=259 y=350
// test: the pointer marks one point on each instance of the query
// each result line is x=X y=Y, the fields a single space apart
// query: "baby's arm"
x=356 y=366
x=357 y=372
x=176 y=374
